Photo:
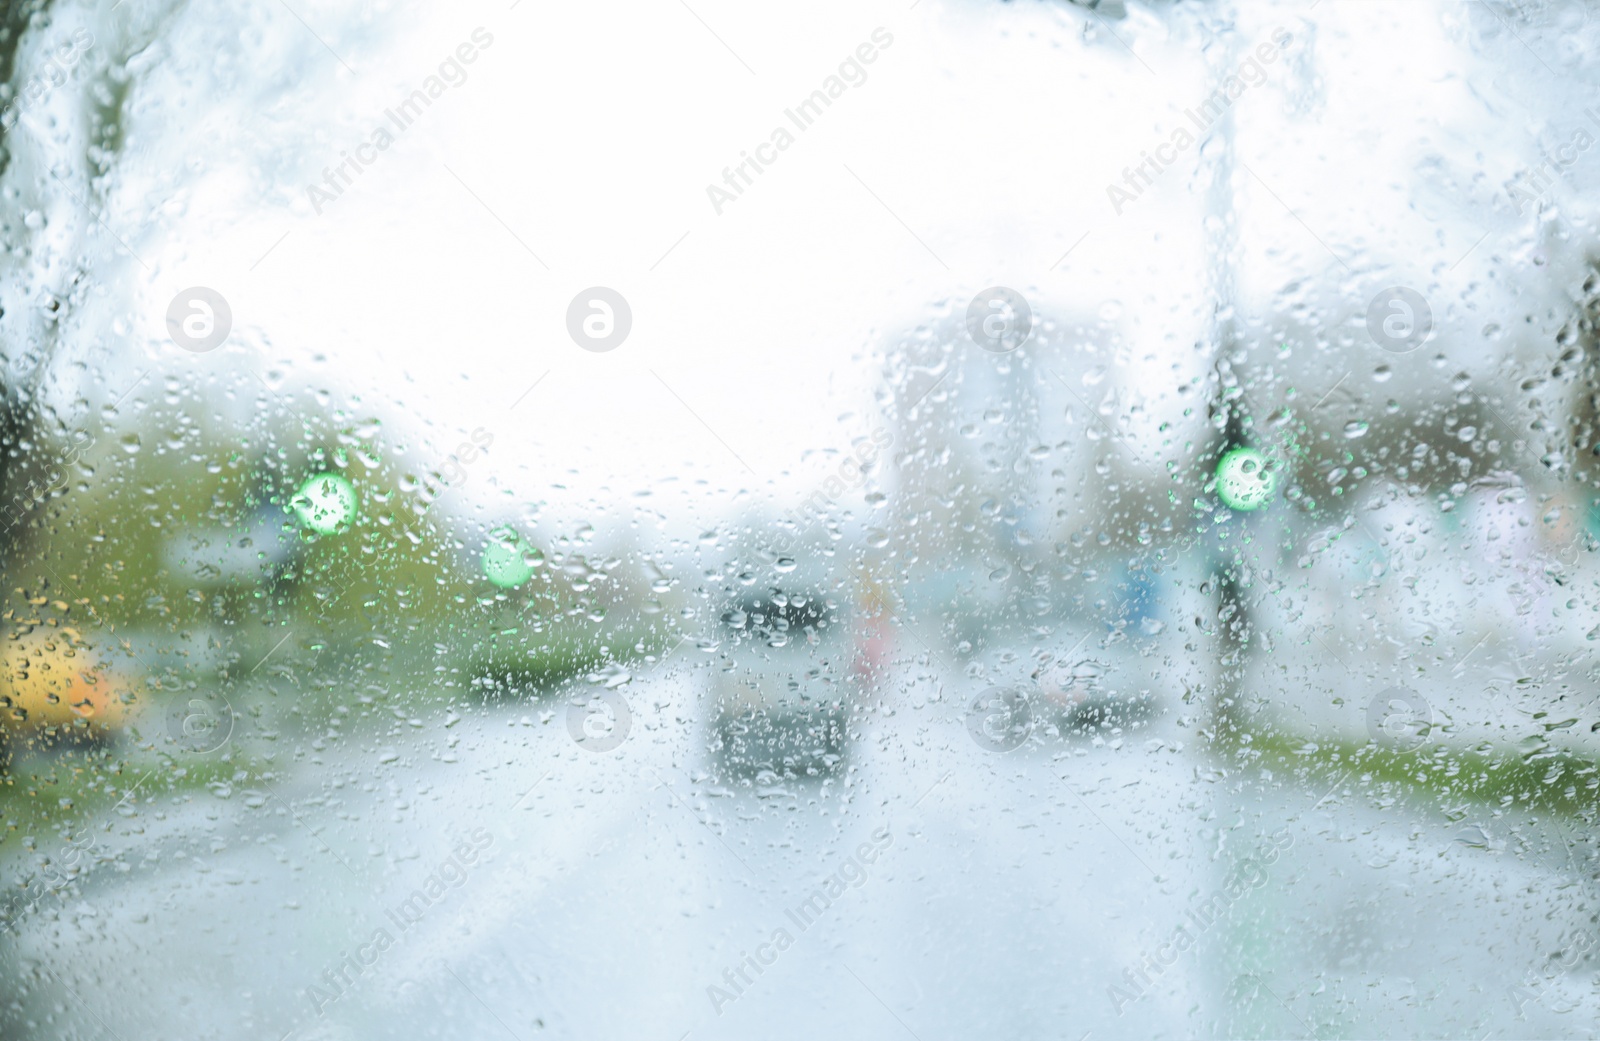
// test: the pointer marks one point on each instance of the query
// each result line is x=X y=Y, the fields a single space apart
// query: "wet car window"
x=698 y=520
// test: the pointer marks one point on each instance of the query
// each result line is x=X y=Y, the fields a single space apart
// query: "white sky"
x=592 y=131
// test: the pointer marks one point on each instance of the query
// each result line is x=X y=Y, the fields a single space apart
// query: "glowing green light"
x=1246 y=479
x=325 y=503
x=507 y=560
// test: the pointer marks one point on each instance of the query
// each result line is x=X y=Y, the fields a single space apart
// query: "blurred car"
x=781 y=702
x=1084 y=694
x=53 y=681
x=1098 y=668
x=244 y=556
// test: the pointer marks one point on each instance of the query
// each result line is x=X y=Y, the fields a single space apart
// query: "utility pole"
x=1225 y=413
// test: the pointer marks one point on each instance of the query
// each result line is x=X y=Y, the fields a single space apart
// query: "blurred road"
x=1016 y=890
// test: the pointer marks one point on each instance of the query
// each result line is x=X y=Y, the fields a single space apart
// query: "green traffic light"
x=508 y=561
x=325 y=503
x=1246 y=479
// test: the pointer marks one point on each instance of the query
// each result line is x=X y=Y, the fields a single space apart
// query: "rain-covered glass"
x=702 y=520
